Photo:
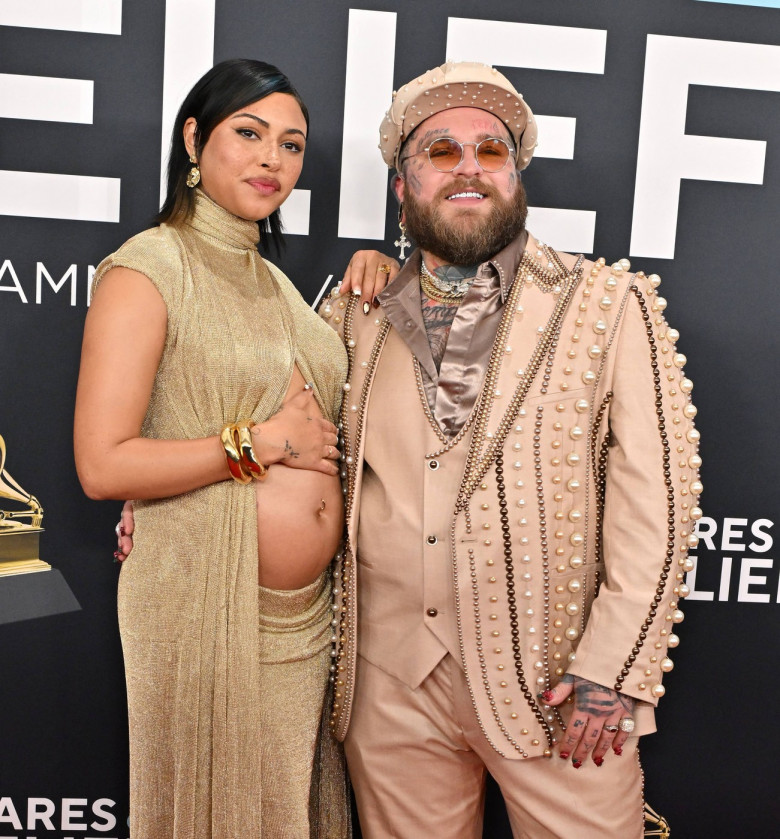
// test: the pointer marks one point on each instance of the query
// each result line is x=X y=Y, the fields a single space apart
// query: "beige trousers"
x=418 y=761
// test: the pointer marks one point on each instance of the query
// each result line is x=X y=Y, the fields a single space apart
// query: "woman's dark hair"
x=225 y=89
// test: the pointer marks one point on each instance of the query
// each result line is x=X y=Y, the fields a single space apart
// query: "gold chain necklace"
x=453 y=288
x=438 y=296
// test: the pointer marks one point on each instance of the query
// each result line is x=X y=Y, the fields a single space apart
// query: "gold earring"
x=193 y=176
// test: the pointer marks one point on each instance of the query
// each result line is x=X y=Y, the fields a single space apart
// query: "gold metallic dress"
x=225 y=681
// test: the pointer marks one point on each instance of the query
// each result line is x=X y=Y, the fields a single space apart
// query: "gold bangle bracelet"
x=249 y=461
x=233 y=455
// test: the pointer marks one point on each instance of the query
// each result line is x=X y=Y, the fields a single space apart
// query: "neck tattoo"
x=443 y=290
x=438 y=316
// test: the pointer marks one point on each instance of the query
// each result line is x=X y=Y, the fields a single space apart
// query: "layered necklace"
x=450 y=289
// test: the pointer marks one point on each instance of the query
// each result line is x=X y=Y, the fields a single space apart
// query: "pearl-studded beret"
x=457 y=84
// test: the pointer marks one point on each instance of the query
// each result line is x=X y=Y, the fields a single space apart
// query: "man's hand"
x=124 y=533
x=367 y=274
x=594 y=726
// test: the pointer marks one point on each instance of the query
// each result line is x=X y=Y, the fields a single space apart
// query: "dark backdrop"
x=711 y=771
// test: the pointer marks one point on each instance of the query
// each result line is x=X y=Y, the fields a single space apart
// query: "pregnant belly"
x=300 y=516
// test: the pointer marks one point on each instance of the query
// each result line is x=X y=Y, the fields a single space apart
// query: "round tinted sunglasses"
x=445 y=154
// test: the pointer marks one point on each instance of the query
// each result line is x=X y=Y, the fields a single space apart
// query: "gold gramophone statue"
x=20 y=526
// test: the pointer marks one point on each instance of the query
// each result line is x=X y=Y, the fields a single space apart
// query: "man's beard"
x=470 y=238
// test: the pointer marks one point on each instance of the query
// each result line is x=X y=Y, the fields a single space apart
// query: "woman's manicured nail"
x=564 y=755
x=618 y=750
x=366 y=308
x=356 y=292
x=598 y=760
x=576 y=763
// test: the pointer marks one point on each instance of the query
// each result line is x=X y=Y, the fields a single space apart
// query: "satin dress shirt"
x=452 y=391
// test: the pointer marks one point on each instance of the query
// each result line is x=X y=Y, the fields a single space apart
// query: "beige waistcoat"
x=404 y=525
x=561 y=528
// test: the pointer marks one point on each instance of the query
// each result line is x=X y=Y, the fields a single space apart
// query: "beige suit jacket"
x=570 y=521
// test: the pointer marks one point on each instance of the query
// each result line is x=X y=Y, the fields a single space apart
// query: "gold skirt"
x=304 y=783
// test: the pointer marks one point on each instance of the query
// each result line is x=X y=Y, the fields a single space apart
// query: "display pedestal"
x=27 y=596
x=19 y=552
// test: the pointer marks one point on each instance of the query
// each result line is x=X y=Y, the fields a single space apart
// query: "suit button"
x=432 y=613
x=433 y=465
x=431 y=540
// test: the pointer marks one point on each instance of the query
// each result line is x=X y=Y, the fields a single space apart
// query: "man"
x=521 y=488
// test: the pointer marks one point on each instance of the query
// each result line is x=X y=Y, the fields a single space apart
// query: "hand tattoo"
x=599 y=701
x=289 y=451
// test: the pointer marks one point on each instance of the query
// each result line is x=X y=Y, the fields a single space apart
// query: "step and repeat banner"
x=659 y=123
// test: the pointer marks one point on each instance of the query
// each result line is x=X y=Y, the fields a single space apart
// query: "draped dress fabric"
x=188 y=594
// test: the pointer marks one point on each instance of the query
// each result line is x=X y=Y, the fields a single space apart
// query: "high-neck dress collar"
x=215 y=221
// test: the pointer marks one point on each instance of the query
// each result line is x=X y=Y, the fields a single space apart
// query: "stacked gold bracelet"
x=241 y=459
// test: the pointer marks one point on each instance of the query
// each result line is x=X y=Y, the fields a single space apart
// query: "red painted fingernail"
x=618 y=750
x=598 y=760
x=564 y=755
x=121 y=530
x=119 y=557
x=547 y=695
x=576 y=764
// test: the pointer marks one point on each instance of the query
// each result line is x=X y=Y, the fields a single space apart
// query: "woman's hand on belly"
x=297 y=435
x=300 y=519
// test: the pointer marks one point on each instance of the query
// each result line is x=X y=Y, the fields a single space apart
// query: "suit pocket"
x=561 y=396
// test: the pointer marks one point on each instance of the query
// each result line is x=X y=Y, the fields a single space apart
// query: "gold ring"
x=384 y=268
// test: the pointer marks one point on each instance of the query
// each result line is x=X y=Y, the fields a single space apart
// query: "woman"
x=194 y=367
